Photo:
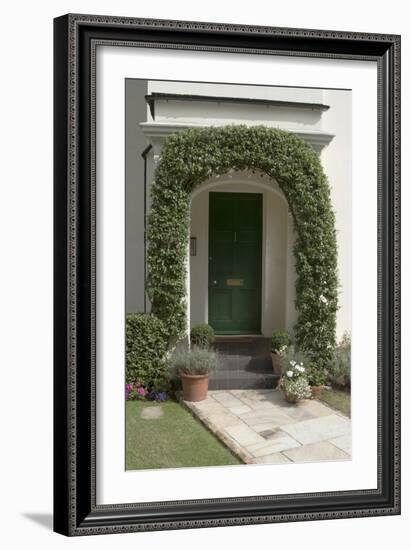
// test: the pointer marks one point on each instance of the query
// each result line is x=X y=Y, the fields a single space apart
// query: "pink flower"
x=141 y=391
x=129 y=387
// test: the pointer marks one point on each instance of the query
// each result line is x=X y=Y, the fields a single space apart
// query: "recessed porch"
x=242 y=274
x=241 y=269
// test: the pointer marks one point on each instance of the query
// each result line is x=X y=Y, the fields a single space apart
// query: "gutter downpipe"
x=144 y=155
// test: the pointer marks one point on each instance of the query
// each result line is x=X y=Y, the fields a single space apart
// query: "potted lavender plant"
x=194 y=367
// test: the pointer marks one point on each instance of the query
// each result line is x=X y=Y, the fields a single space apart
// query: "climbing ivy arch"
x=188 y=159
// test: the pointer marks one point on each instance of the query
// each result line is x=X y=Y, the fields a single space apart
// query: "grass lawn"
x=338 y=399
x=174 y=440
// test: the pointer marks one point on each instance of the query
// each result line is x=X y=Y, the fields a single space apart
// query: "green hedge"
x=188 y=159
x=146 y=348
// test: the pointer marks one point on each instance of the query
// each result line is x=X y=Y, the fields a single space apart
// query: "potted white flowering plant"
x=294 y=383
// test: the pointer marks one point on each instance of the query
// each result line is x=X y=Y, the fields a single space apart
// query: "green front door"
x=234 y=276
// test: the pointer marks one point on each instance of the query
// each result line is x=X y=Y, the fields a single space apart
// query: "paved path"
x=262 y=428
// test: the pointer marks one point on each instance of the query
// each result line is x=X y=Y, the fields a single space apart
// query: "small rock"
x=151 y=413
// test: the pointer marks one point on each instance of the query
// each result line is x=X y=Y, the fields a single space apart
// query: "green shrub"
x=340 y=368
x=316 y=375
x=146 y=348
x=202 y=336
x=194 y=361
x=280 y=341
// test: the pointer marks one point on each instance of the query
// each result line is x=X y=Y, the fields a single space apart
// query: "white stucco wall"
x=336 y=159
x=134 y=203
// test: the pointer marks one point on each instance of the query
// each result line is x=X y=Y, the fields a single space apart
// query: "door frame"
x=258 y=331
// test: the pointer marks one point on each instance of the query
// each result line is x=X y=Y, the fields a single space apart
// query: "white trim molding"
x=159 y=131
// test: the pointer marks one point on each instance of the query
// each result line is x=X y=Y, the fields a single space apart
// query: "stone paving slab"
x=231 y=402
x=276 y=458
x=265 y=427
x=281 y=442
x=244 y=435
x=240 y=410
x=343 y=442
x=274 y=418
x=309 y=408
x=319 y=429
x=210 y=407
x=255 y=401
x=223 y=420
x=260 y=427
x=315 y=452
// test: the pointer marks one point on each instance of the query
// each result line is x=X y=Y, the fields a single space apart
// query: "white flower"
x=323 y=299
x=289 y=373
x=300 y=368
x=293 y=363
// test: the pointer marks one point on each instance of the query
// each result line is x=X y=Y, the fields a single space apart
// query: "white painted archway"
x=278 y=274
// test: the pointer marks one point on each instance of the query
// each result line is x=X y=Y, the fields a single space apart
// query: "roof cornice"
x=160 y=96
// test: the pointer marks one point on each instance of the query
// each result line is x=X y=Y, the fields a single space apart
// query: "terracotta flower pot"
x=195 y=386
x=275 y=359
x=289 y=398
x=316 y=390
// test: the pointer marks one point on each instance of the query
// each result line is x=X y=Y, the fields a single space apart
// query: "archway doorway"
x=192 y=156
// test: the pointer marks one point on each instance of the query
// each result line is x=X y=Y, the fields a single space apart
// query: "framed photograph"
x=227 y=276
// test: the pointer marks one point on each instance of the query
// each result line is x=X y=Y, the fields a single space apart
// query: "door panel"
x=235 y=243
x=222 y=302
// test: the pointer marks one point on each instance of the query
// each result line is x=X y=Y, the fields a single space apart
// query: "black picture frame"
x=75 y=509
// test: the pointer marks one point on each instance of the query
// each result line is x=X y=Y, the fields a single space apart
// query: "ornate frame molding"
x=76 y=39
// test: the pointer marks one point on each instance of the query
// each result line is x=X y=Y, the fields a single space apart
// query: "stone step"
x=238 y=380
x=242 y=363
x=254 y=348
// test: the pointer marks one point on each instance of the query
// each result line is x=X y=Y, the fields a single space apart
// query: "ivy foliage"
x=194 y=155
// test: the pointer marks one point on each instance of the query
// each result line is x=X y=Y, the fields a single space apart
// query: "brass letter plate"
x=235 y=282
